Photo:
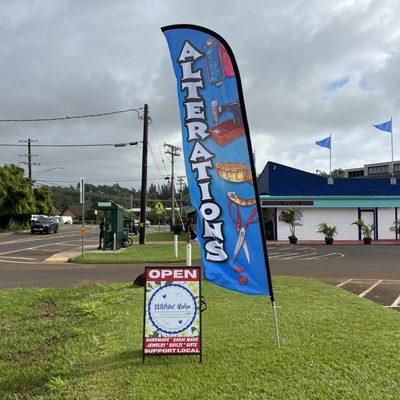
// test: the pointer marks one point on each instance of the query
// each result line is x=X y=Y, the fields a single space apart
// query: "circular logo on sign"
x=172 y=308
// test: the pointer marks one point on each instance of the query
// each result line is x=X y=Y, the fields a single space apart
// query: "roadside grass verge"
x=149 y=253
x=85 y=343
x=160 y=237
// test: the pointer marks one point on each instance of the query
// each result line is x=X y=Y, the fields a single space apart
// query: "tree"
x=43 y=201
x=336 y=173
x=17 y=200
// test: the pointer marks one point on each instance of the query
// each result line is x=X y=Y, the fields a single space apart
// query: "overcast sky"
x=309 y=68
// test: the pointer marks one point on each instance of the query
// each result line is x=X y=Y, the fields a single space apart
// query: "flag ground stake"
x=275 y=315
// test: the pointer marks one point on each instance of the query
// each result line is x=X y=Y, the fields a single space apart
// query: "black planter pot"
x=367 y=240
x=292 y=239
x=328 y=240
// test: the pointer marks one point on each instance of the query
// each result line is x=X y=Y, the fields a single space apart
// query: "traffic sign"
x=159 y=207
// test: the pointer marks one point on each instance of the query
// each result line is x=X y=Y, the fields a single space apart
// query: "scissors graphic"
x=241 y=229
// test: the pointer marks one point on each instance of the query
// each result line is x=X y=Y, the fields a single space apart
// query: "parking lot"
x=370 y=272
x=300 y=252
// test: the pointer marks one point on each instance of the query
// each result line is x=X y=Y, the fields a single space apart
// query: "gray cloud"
x=74 y=57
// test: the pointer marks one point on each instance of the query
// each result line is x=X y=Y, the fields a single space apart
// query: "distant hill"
x=66 y=196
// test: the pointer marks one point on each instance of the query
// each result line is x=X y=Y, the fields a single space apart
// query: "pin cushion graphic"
x=172 y=309
x=234 y=172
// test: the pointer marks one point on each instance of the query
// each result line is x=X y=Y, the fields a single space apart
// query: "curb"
x=69 y=255
x=56 y=260
x=13 y=232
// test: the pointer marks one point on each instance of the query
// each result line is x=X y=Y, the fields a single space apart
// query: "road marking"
x=32 y=248
x=298 y=256
x=396 y=303
x=344 y=283
x=365 y=292
x=36 y=238
x=19 y=258
x=282 y=255
x=275 y=254
x=324 y=256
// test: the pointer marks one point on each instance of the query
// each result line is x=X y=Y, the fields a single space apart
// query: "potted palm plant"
x=289 y=217
x=366 y=230
x=396 y=227
x=328 y=231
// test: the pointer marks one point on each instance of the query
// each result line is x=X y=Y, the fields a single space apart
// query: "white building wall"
x=386 y=217
x=312 y=217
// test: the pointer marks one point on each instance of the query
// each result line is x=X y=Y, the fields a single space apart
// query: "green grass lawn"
x=149 y=253
x=85 y=343
x=160 y=237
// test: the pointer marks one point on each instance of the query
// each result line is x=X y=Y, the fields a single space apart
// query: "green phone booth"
x=113 y=223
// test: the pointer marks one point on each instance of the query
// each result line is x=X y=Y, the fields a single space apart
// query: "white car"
x=35 y=217
x=66 y=220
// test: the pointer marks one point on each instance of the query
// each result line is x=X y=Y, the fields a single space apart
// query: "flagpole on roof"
x=391 y=132
x=330 y=156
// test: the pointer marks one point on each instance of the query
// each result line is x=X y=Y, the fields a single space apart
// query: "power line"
x=73 y=145
x=159 y=148
x=88 y=180
x=154 y=159
x=75 y=116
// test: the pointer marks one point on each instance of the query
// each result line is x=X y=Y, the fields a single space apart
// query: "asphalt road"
x=35 y=248
x=371 y=272
x=22 y=258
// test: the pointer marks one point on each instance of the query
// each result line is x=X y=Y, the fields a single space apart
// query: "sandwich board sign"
x=172 y=311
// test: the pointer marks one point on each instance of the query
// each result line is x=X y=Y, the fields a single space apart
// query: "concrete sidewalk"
x=337 y=242
x=69 y=255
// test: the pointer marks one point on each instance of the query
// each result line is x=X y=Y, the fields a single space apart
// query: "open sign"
x=172 y=311
x=172 y=274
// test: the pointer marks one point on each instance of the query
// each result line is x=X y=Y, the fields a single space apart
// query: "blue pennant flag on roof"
x=385 y=126
x=324 y=142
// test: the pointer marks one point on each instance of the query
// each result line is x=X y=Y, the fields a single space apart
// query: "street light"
x=125 y=144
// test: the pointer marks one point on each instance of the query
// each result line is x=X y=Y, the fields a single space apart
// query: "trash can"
x=177 y=229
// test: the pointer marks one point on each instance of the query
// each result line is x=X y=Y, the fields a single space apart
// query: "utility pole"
x=143 y=194
x=173 y=151
x=82 y=201
x=29 y=156
x=181 y=180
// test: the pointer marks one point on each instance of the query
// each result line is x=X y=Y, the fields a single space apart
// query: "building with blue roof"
x=337 y=202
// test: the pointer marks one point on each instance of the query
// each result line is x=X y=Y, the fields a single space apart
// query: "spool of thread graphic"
x=215 y=72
